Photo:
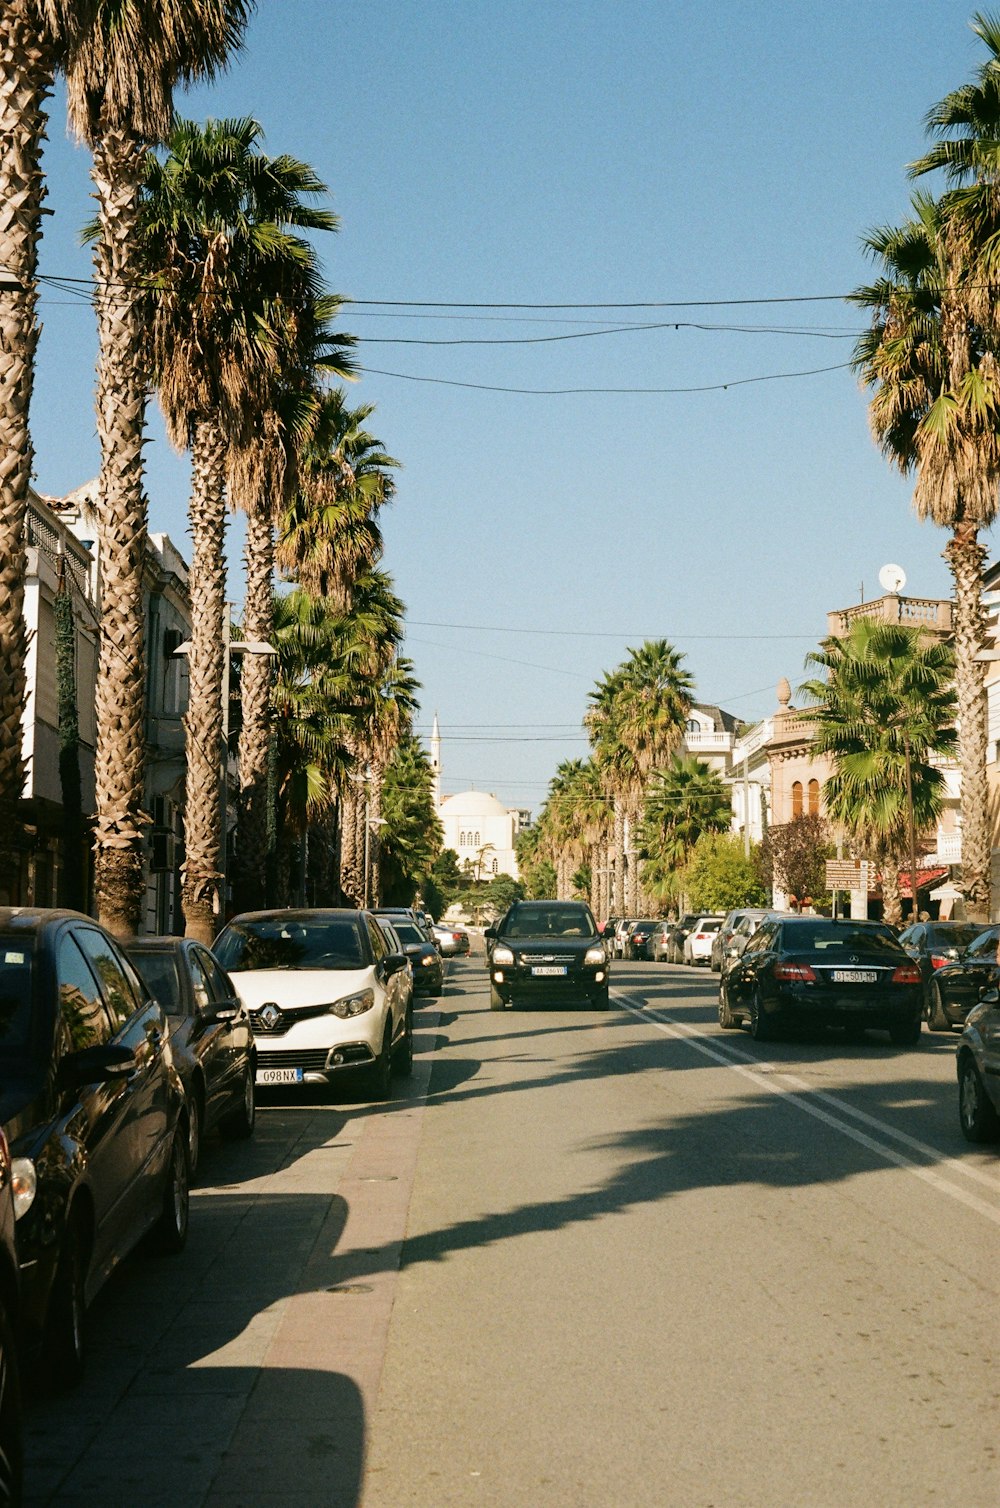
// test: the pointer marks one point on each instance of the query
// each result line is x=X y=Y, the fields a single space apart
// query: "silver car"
x=978 y=1065
x=725 y=933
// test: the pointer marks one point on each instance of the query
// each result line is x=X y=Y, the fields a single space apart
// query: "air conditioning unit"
x=163 y=852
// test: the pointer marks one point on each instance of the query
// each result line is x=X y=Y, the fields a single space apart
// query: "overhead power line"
x=561 y=392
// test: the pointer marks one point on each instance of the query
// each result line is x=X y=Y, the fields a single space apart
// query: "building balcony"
x=929 y=613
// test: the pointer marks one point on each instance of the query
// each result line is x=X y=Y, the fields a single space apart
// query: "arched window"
x=797 y=798
x=496 y=866
x=693 y=725
x=477 y=841
x=814 y=798
x=461 y=840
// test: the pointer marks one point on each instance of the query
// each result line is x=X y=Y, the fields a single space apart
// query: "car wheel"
x=170 y=1231
x=726 y=1018
x=760 y=1026
x=937 y=1019
x=905 y=1033
x=403 y=1059
x=64 y=1323
x=11 y=1429
x=380 y=1074
x=242 y=1121
x=602 y=1001
x=979 y=1119
x=496 y=999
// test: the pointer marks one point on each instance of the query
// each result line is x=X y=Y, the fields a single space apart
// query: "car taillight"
x=907 y=973
x=799 y=973
x=938 y=960
x=700 y=936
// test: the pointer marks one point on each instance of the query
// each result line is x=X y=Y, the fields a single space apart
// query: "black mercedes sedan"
x=810 y=970
x=210 y=1033
x=94 y=1111
x=957 y=986
x=546 y=952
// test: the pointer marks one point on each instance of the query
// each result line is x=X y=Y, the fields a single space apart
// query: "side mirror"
x=93 y=1065
x=989 y=995
x=394 y=962
x=491 y=933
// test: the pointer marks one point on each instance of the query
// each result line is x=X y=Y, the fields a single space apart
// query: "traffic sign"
x=847 y=874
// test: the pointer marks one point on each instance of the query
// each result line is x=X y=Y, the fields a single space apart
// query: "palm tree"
x=884 y=711
x=235 y=287
x=121 y=71
x=684 y=800
x=34 y=35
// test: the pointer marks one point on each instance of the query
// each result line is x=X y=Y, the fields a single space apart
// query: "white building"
x=480 y=829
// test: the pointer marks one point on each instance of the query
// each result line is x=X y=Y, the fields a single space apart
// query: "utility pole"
x=912 y=829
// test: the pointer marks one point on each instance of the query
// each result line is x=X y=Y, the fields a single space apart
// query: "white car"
x=698 y=943
x=327 y=993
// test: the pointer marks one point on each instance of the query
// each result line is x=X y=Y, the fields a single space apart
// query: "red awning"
x=926 y=879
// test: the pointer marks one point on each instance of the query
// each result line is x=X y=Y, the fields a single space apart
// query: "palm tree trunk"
x=619 y=856
x=203 y=722
x=25 y=82
x=117 y=174
x=374 y=837
x=351 y=851
x=892 y=906
x=250 y=870
x=966 y=558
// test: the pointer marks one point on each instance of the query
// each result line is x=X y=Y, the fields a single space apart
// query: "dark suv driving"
x=547 y=951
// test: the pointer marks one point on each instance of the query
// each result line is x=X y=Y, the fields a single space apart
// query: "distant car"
x=210 y=1032
x=675 y=938
x=425 y=960
x=637 y=942
x=622 y=927
x=452 y=939
x=326 y=993
x=11 y=1426
x=96 y=1117
x=546 y=951
x=978 y=1066
x=698 y=942
x=816 y=971
x=741 y=935
x=659 y=940
x=725 y=932
x=932 y=945
x=956 y=986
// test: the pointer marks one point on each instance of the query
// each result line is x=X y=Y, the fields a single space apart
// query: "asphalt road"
x=581 y=1260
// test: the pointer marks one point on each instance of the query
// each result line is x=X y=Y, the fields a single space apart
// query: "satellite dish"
x=892 y=578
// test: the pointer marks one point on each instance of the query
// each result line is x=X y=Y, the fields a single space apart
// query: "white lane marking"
x=785 y=1085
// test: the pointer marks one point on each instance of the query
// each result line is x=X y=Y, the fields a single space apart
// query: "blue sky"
x=574 y=152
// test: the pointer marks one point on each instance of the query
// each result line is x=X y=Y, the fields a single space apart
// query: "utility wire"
x=558 y=392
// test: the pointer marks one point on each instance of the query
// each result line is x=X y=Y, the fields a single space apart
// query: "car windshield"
x=646 y=926
x=16 y=954
x=159 y=974
x=832 y=937
x=952 y=936
x=407 y=932
x=550 y=921
x=291 y=943
x=985 y=944
x=709 y=924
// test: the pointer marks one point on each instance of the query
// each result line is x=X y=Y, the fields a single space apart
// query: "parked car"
x=11 y=1426
x=545 y=951
x=326 y=993
x=742 y=933
x=978 y=1065
x=698 y=942
x=94 y=1110
x=933 y=944
x=659 y=941
x=637 y=942
x=452 y=939
x=676 y=936
x=621 y=934
x=725 y=933
x=210 y=1032
x=812 y=970
x=425 y=960
x=956 y=986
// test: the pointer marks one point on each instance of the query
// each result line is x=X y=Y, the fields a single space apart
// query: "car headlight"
x=428 y=960
x=595 y=955
x=502 y=955
x=23 y=1185
x=353 y=1005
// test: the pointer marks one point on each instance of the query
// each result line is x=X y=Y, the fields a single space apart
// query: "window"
x=797 y=798
x=496 y=866
x=122 y=990
x=814 y=798
x=476 y=844
x=693 y=725
x=82 y=1017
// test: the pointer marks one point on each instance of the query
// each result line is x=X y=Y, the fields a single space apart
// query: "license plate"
x=855 y=976
x=549 y=969
x=279 y=1076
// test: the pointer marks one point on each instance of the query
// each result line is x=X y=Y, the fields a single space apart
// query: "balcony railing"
x=918 y=612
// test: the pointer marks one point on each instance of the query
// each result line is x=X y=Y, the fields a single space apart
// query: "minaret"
x=436 y=762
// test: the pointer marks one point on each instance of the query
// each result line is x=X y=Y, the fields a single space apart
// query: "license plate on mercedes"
x=855 y=976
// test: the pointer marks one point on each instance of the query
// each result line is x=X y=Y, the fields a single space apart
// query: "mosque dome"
x=473 y=804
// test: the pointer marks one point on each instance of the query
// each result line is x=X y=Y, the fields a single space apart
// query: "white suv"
x=326 y=993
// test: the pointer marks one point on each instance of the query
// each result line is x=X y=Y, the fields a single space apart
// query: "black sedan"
x=932 y=945
x=94 y=1111
x=811 y=971
x=957 y=986
x=546 y=951
x=11 y=1428
x=426 y=961
x=638 y=940
x=210 y=1032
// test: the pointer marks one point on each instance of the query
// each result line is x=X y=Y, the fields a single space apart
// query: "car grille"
x=527 y=959
x=286 y=1020
x=310 y=1060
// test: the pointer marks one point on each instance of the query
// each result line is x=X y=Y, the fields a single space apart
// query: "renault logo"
x=270 y=1015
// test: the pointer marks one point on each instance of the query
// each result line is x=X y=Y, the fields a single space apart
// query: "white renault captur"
x=326 y=994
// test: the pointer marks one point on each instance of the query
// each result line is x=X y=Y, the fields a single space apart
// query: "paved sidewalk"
x=245 y=1371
